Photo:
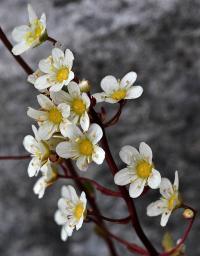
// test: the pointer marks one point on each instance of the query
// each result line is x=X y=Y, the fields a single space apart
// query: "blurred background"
x=160 y=40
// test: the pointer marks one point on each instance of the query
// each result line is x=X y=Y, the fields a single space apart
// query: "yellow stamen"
x=55 y=116
x=172 y=202
x=62 y=74
x=78 y=106
x=119 y=95
x=78 y=211
x=36 y=33
x=144 y=169
x=85 y=147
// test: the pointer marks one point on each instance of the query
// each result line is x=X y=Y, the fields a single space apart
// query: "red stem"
x=19 y=59
x=14 y=157
x=118 y=221
x=52 y=40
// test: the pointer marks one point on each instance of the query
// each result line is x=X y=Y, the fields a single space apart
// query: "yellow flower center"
x=78 y=211
x=86 y=147
x=55 y=116
x=119 y=95
x=32 y=36
x=143 y=169
x=62 y=74
x=78 y=106
x=172 y=202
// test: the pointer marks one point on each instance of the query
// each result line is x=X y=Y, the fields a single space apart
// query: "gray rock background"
x=159 y=39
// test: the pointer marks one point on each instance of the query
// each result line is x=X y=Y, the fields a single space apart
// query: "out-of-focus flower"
x=82 y=146
x=168 y=244
x=79 y=104
x=50 y=118
x=49 y=175
x=139 y=171
x=39 y=151
x=56 y=69
x=116 y=90
x=29 y=36
x=169 y=201
x=71 y=211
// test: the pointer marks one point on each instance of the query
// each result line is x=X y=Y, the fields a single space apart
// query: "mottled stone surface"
x=160 y=40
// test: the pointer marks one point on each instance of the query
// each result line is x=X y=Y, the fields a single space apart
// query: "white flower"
x=71 y=211
x=168 y=202
x=116 y=90
x=56 y=70
x=82 y=146
x=139 y=171
x=39 y=151
x=79 y=104
x=29 y=36
x=51 y=118
x=49 y=175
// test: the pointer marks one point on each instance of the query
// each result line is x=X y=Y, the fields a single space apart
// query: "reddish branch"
x=117 y=221
x=14 y=157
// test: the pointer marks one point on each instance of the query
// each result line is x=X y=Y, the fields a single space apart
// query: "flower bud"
x=188 y=213
x=84 y=86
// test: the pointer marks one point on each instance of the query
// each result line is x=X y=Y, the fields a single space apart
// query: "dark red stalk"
x=14 y=157
x=117 y=221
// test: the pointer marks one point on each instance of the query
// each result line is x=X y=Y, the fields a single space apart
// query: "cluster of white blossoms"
x=66 y=131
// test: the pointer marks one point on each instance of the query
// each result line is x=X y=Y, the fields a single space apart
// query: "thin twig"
x=14 y=157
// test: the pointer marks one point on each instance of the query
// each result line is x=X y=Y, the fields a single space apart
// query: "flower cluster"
x=67 y=131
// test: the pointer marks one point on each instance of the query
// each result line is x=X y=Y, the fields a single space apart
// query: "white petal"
x=128 y=79
x=31 y=14
x=82 y=163
x=68 y=192
x=95 y=133
x=99 y=155
x=100 y=97
x=36 y=134
x=59 y=218
x=109 y=84
x=65 y=110
x=128 y=154
x=146 y=151
x=42 y=82
x=73 y=132
x=19 y=32
x=34 y=167
x=60 y=97
x=176 y=181
x=86 y=99
x=165 y=218
x=83 y=199
x=136 y=188
x=20 y=48
x=57 y=55
x=69 y=58
x=66 y=150
x=45 y=102
x=39 y=187
x=79 y=224
x=46 y=130
x=73 y=89
x=56 y=87
x=40 y=116
x=43 y=20
x=45 y=66
x=154 y=179
x=64 y=234
x=64 y=128
x=156 y=208
x=30 y=144
x=134 y=92
x=85 y=121
x=166 y=189
x=123 y=177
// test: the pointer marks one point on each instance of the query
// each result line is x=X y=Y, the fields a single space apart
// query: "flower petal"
x=34 y=167
x=64 y=128
x=146 y=151
x=69 y=193
x=73 y=89
x=56 y=87
x=60 y=97
x=136 y=188
x=86 y=99
x=156 y=208
x=73 y=132
x=57 y=55
x=123 y=177
x=176 y=181
x=69 y=58
x=165 y=218
x=66 y=150
x=100 y=97
x=45 y=102
x=31 y=13
x=20 y=48
x=134 y=92
x=39 y=187
x=45 y=66
x=40 y=116
x=128 y=79
x=46 y=130
x=19 y=32
x=154 y=179
x=30 y=144
x=59 y=218
x=95 y=133
x=82 y=163
x=166 y=189
x=85 y=121
x=129 y=154
x=99 y=155
x=42 y=82
x=109 y=84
